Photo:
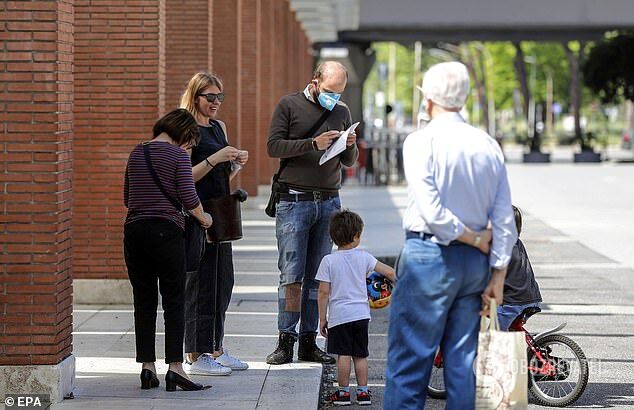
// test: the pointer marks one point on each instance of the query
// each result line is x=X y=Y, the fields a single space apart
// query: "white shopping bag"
x=501 y=367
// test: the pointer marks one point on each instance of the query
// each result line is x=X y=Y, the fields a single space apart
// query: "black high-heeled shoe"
x=173 y=379
x=148 y=379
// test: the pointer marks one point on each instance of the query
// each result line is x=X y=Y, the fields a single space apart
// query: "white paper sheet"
x=338 y=146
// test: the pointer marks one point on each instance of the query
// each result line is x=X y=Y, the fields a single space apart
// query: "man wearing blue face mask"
x=304 y=124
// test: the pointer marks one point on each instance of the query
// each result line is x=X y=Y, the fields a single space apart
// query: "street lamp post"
x=549 y=101
x=531 y=102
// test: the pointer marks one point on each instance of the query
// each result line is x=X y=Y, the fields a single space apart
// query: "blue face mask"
x=328 y=100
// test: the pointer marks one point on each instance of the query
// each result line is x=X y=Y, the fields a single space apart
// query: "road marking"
x=259 y=273
x=335 y=384
x=124 y=333
x=588 y=309
x=259 y=223
x=246 y=313
x=251 y=336
x=254 y=289
x=254 y=248
x=554 y=239
x=125 y=365
x=598 y=265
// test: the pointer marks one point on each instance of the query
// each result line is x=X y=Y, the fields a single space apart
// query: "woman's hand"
x=228 y=153
x=243 y=157
x=207 y=220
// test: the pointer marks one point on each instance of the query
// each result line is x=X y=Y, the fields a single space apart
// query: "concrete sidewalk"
x=108 y=377
x=104 y=346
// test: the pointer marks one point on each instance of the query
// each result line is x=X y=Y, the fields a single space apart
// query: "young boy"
x=520 y=288
x=343 y=295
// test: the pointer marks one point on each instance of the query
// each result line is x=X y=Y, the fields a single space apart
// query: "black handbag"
x=278 y=187
x=227 y=217
x=194 y=233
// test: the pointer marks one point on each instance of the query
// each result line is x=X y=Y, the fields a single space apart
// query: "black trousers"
x=207 y=297
x=154 y=251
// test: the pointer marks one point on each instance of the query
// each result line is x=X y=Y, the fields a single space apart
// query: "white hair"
x=447 y=84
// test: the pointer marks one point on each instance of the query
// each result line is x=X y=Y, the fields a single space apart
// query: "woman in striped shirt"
x=154 y=241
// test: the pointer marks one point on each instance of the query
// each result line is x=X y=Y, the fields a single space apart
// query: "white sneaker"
x=233 y=363
x=206 y=366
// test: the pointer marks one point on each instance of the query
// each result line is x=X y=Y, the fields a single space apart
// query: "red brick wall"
x=118 y=78
x=132 y=59
x=265 y=84
x=35 y=181
x=249 y=59
x=188 y=42
x=225 y=58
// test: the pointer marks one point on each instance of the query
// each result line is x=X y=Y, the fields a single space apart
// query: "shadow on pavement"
x=606 y=395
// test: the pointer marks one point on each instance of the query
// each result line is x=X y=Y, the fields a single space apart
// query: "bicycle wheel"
x=559 y=377
x=436 y=387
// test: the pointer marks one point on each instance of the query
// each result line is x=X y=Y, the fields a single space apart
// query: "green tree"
x=404 y=78
x=609 y=69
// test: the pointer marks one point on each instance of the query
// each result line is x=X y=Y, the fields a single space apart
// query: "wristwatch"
x=314 y=144
x=477 y=240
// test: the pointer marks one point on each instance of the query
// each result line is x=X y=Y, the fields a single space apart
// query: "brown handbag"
x=226 y=215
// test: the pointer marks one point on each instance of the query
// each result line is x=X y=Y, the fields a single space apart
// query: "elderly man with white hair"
x=451 y=263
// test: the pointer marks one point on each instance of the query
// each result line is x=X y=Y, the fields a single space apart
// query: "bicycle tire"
x=436 y=392
x=583 y=370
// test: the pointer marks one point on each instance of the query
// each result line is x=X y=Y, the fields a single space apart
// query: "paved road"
x=578 y=229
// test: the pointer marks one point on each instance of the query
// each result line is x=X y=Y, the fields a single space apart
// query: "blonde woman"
x=208 y=290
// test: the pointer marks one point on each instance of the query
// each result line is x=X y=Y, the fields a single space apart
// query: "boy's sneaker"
x=231 y=362
x=364 y=398
x=206 y=366
x=340 y=398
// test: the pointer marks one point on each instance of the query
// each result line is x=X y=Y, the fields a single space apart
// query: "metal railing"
x=383 y=156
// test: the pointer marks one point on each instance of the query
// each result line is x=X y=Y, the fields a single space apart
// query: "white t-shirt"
x=346 y=271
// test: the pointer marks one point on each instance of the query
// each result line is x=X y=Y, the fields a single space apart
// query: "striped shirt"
x=144 y=199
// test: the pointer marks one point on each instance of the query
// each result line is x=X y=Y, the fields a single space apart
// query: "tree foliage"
x=609 y=69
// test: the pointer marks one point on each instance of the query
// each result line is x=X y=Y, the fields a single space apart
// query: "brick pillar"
x=225 y=58
x=235 y=58
x=35 y=186
x=289 y=85
x=188 y=43
x=249 y=60
x=266 y=86
x=307 y=59
x=119 y=83
x=298 y=75
x=281 y=51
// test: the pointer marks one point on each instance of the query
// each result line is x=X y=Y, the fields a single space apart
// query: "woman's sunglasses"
x=211 y=97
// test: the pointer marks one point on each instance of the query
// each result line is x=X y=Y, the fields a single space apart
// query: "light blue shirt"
x=455 y=178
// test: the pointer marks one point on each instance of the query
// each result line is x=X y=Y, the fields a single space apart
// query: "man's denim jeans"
x=436 y=303
x=302 y=241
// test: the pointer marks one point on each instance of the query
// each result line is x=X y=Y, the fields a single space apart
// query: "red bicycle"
x=557 y=367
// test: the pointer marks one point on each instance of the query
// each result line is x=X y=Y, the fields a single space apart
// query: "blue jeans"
x=508 y=313
x=302 y=241
x=436 y=303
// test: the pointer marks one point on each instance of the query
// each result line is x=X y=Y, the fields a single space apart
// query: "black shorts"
x=349 y=339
